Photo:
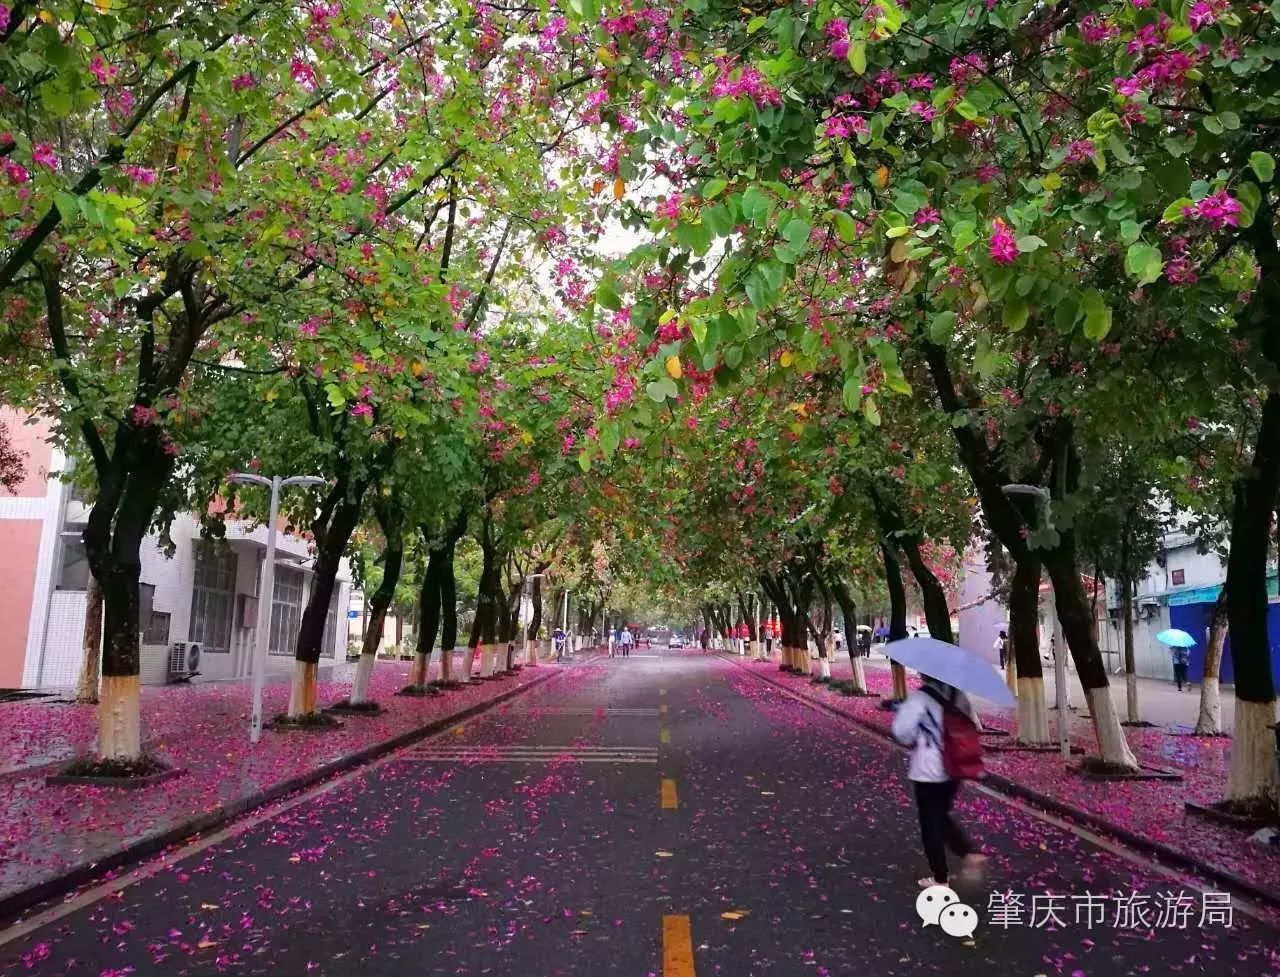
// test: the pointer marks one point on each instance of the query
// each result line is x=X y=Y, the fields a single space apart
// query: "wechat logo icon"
x=939 y=905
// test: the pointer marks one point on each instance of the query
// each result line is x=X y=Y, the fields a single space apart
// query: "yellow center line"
x=664 y=735
x=669 y=802
x=677 y=947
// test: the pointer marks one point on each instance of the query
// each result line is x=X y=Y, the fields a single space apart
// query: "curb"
x=1000 y=784
x=16 y=903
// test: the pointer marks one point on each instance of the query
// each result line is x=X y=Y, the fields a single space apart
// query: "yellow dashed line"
x=677 y=947
x=664 y=735
x=669 y=802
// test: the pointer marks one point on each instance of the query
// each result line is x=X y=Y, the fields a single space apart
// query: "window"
x=154 y=624
x=1179 y=577
x=73 y=570
x=212 y=597
x=286 y=610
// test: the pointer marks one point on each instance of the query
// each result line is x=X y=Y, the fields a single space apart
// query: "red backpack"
x=961 y=744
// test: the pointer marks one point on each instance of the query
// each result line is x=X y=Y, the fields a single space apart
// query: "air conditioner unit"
x=184 y=660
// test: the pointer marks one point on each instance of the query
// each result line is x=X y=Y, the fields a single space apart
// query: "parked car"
x=676 y=641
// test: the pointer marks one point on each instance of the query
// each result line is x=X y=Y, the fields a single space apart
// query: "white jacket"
x=918 y=723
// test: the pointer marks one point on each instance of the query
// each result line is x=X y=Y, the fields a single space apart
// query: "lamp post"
x=564 y=626
x=1044 y=512
x=266 y=585
x=524 y=628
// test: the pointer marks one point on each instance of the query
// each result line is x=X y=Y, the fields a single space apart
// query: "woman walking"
x=932 y=721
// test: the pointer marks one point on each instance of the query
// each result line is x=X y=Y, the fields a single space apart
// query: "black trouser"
x=1180 y=674
x=938 y=828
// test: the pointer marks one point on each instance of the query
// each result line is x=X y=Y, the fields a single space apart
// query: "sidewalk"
x=54 y=838
x=1146 y=812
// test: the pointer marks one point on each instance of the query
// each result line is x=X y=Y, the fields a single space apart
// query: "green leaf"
x=756 y=206
x=858 y=57
x=754 y=24
x=941 y=327
x=713 y=189
x=966 y=110
x=985 y=360
x=1174 y=211
x=845 y=226
x=870 y=411
x=1144 y=262
x=719 y=219
x=1213 y=124
x=1097 y=316
x=1015 y=315
x=607 y=296
x=851 y=393
x=1130 y=231
x=797 y=232
x=1030 y=242
x=1263 y=164
x=1250 y=197
x=609 y=438
x=655 y=391
x=584 y=459
x=68 y=204
x=963 y=234
x=901 y=231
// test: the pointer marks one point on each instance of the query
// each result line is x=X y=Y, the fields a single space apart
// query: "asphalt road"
x=666 y=815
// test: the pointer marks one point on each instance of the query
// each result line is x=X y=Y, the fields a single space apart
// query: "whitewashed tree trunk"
x=1209 y=720
x=91 y=660
x=360 y=684
x=1032 y=718
x=418 y=676
x=859 y=675
x=1112 y=745
x=1253 y=751
x=1131 y=698
x=302 y=691
x=119 y=718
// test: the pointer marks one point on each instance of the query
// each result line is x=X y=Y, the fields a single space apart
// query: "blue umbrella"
x=1176 y=638
x=953 y=665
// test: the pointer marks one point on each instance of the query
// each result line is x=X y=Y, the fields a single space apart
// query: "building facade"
x=205 y=591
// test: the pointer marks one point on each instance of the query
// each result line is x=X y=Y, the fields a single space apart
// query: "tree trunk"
x=113 y=538
x=1024 y=650
x=391 y=521
x=1253 y=754
x=897 y=614
x=91 y=651
x=448 y=611
x=849 y=612
x=429 y=620
x=1130 y=668
x=331 y=543
x=1209 y=721
x=936 y=613
x=1073 y=614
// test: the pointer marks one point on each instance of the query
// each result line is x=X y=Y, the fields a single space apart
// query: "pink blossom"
x=1201 y=14
x=15 y=172
x=1081 y=150
x=1003 y=248
x=926 y=216
x=361 y=410
x=303 y=74
x=42 y=153
x=4 y=17
x=1180 y=271
x=243 y=81
x=840 y=48
x=1218 y=209
x=140 y=174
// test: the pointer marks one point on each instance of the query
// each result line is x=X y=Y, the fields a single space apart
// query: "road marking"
x=669 y=802
x=664 y=735
x=662 y=709
x=443 y=753
x=580 y=711
x=677 y=947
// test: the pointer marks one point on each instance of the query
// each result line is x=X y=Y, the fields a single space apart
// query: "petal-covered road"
x=664 y=814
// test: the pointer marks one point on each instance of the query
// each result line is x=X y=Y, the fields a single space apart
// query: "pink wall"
x=30 y=440
x=20 y=544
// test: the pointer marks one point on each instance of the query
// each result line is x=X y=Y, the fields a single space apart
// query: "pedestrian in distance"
x=1002 y=646
x=627 y=640
x=557 y=639
x=940 y=726
x=1180 y=666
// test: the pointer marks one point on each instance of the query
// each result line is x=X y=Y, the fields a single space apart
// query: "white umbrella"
x=953 y=665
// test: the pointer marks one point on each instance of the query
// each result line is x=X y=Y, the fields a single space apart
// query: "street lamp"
x=524 y=628
x=1044 y=509
x=565 y=625
x=266 y=587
